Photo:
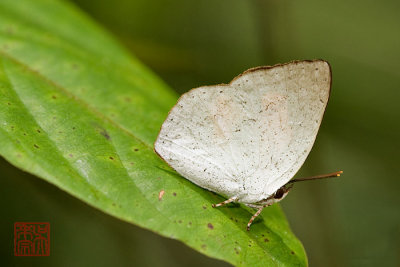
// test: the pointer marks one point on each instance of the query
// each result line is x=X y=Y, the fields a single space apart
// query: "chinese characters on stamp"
x=32 y=239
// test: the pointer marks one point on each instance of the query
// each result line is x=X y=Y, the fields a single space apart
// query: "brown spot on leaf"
x=174 y=194
x=104 y=133
x=38 y=131
x=70 y=155
x=111 y=158
x=54 y=97
x=204 y=246
x=292 y=252
x=266 y=240
x=35 y=145
x=136 y=149
x=204 y=207
x=209 y=225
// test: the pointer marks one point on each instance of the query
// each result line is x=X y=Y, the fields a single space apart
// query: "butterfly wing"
x=250 y=137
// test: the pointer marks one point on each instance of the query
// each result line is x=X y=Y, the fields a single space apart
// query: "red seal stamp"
x=32 y=239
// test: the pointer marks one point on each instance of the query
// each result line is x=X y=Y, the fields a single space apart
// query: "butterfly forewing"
x=250 y=137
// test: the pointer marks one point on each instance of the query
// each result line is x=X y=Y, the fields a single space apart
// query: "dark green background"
x=351 y=221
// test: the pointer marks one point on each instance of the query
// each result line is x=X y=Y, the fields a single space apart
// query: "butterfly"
x=247 y=139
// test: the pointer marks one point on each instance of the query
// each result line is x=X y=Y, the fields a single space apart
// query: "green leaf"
x=78 y=111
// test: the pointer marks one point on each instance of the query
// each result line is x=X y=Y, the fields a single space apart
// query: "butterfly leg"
x=255 y=216
x=224 y=202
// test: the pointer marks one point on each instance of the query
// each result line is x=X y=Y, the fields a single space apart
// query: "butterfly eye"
x=279 y=193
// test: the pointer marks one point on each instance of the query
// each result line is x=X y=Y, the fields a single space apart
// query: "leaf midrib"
x=60 y=154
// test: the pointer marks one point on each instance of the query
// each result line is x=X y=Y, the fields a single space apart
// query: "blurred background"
x=350 y=221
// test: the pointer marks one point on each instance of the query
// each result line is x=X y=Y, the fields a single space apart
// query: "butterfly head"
x=280 y=194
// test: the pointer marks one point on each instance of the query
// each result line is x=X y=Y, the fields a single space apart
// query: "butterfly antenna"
x=329 y=175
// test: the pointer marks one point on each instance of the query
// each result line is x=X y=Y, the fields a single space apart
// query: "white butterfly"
x=247 y=139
